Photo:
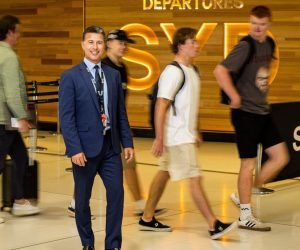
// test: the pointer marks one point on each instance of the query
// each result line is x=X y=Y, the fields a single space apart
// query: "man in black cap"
x=116 y=47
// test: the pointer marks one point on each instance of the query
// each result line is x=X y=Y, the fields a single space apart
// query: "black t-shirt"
x=123 y=72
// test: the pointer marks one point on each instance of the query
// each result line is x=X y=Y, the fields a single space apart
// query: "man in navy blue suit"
x=94 y=125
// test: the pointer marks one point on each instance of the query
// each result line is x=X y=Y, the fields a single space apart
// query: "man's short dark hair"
x=180 y=36
x=261 y=11
x=7 y=23
x=93 y=29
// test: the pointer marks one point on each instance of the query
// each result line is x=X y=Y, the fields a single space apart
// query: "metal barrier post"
x=34 y=99
x=34 y=94
x=58 y=122
x=261 y=190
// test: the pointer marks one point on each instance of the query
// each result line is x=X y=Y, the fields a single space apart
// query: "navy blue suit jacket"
x=79 y=112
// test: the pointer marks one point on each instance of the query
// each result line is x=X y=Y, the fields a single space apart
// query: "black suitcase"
x=30 y=185
x=31 y=181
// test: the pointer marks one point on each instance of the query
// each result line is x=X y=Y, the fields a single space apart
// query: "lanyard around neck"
x=94 y=80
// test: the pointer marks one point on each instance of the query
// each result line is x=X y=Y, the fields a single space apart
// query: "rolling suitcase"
x=30 y=185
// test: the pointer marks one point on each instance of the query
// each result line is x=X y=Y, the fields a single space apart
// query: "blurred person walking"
x=13 y=113
x=251 y=113
x=177 y=135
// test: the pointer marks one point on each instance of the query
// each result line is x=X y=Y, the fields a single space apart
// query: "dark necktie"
x=100 y=89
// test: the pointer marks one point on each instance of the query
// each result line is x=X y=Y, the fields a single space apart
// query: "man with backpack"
x=250 y=112
x=177 y=135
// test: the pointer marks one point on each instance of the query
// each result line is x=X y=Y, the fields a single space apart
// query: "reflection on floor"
x=53 y=229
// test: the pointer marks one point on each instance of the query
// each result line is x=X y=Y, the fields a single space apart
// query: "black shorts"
x=252 y=129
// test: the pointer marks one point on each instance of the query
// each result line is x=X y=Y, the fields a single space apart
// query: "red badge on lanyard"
x=104 y=120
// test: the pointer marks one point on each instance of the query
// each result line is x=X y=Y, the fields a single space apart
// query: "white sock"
x=245 y=211
x=72 y=203
x=140 y=205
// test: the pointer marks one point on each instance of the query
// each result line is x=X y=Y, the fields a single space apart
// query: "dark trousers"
x=108 y=165
x=11 y=143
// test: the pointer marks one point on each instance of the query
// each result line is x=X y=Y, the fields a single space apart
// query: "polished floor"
x=53 y=229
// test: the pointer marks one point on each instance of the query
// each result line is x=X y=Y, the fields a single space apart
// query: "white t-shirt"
x=182 y=127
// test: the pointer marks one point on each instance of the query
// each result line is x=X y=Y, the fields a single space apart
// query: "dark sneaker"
x=71 y=213
x=157 y=212
x=153 y=225
x=88 y=248
x=221 y=229
x=251 y=223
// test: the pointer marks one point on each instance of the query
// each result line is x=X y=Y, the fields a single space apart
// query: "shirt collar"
x=91 y=65
x=5 y=44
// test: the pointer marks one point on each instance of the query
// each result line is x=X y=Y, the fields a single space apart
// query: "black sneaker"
x=153 y=225
x=71 y=213
x=157 y=212
x=221 y=229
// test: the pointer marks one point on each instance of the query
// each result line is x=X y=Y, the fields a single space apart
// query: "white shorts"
x=180 y=161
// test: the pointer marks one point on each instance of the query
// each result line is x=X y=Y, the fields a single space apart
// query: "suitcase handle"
x=32 y=145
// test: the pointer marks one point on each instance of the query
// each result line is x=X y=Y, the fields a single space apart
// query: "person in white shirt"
x=177 y=135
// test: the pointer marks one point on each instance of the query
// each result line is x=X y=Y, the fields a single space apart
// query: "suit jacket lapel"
x=88 y=82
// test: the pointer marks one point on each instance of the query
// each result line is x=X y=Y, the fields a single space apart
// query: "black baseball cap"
x=119 y=35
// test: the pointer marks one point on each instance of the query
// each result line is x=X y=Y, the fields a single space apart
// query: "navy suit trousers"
x=108 y=165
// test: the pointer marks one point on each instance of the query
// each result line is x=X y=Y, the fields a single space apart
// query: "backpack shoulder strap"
x=272 y=43
x=176 y=64
x=235 y=76
x=251 y=51
x=196 y=69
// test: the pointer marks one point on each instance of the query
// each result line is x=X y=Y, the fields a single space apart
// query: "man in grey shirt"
x=250 y=113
